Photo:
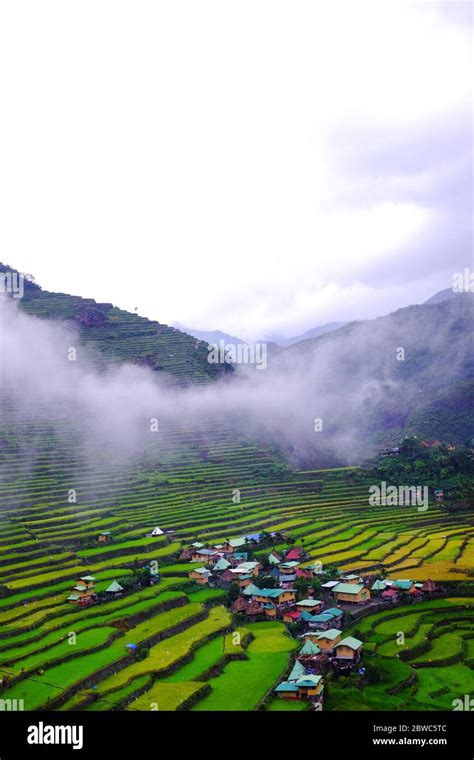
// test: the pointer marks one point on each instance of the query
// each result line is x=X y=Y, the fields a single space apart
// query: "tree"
x=266 y=581
x=302 y=585
x=233 y=592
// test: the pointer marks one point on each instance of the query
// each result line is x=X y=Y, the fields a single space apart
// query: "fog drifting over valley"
x=350 y=381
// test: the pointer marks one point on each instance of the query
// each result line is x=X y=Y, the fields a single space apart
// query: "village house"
x=308 y=652
x=208 y=556
x=313 y=658
x=114 y=590
x=351 y=592
x=349 y=648
x=225 y=578
x=329 y=585
x=429 y=587
x=303 y=572
x=279 y=597
x=291 y=616
x=335 y=613
x=307 y=686
x=244 y=581
x=221 y=564
x=390 y=595
x=326 y=640
x=351 y=578
x=270 y=610
x=253 y=538
x=321 y=622
x=288 y=568
x=253 y=610
x=295 y=553
x=378 y=586
x=312 y=605
x=237 y=558
x=274 y=558
x=156 y=532
x=83 y=592
x=405 y=586
x=104 y=536
x=286 y=581
x=201 y=575
x=229 y=547
x=240 y=605
x=253 y=568
x=251 y=590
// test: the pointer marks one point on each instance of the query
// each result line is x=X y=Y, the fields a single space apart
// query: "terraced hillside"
x=423 y=654
x=169 y=645
x=46 y=544
x=121 y=336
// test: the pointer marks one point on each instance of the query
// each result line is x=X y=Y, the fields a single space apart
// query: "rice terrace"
x=182 y=555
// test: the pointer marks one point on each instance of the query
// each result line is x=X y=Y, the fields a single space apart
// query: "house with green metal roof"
x=402 y=585
x=308 y=604
x=297 y=671
x=280 y=596
x=309 y=649
x=234 y=543
x=336 y=613
x=288 y=567
x=307 y=686
x=221 y=564
x=378 y=585
x=200 y=574
x=325 y=640
x=286 y=688
x=83 y=592
x=115 y=589
x=320 y=622
x=251 y=590
x=348 y=648
x=247 y=568
x=351 y=592
x=273 y=559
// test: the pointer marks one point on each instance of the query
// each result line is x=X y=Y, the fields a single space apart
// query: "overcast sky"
x=257 y=167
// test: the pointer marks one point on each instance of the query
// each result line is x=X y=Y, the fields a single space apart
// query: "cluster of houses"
x=318 y=623
x=106 y=535
x=84 y=593
x=320 y=652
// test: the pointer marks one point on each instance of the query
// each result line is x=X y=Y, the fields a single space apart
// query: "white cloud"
x=177 y=157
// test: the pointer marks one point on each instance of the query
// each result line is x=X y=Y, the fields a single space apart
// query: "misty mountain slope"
x=354 y=381
x=122 y=336
x=442 y=295
x=313 y=333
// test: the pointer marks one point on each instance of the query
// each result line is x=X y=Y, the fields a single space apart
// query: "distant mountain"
x=313 y=333
x=274 y=341
x=443 y=295
x=374 y=381
x=211 y=336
